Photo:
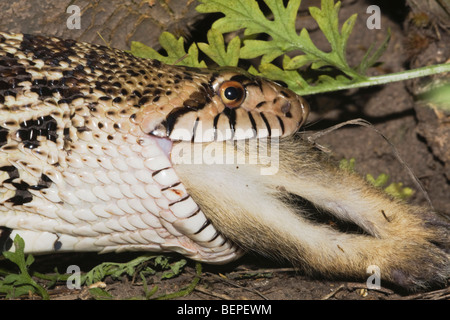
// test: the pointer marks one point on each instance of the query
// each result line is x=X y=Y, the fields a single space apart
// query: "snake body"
x=85 y=139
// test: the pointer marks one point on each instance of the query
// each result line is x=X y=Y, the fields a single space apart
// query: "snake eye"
x=232 y=93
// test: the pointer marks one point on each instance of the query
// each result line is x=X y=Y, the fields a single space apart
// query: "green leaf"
x=148 y=293
x=255 y=48
x=115 y=269
x=369 y=60
x=16 y=285
x=279 y=24
x=246 y=14
x=291 y=77
x=139 y=264
x=175 y=269
x=188 y=289
x=395 y=189
x=328 y=20
x=100 y=294
x=438 y=96
x=380 y=181
x=216 y=50
x=398 y=191
x=298 y=62
x=18 y=256
x=161 y=261
x=238 y=15
x=176 y=53
x=348 y=165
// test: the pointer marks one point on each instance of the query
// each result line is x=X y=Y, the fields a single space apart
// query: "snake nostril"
x=286 y=107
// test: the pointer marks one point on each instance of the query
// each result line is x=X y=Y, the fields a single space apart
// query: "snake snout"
x=291 y=110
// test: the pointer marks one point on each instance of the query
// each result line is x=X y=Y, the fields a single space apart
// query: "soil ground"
x=392 y=109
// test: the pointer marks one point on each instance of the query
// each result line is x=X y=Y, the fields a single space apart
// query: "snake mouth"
x=165 y=145
x=197 y=236
x=283 y=118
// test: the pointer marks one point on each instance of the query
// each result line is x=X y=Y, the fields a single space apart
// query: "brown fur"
x=407 y=243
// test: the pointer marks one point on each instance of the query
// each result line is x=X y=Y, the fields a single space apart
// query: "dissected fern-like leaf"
x=216 y=50
x=247 y=15
x=176 y=53
x=284 y=39
x=16 y=285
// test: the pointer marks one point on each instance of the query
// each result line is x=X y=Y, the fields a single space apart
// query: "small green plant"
x=140 y=264
x=143 y=266
x=394 y=189
x=279 y=24
x=23 y=283
x=348 y=165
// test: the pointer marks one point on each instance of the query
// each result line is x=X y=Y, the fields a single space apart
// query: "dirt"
x=420 y=133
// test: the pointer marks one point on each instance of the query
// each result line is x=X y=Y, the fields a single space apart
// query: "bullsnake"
x=85 y=134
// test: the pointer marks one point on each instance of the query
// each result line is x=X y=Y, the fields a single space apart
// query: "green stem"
x=378 y=80
x=188 y=289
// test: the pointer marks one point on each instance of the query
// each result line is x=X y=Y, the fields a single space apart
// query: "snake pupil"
x=232 y=93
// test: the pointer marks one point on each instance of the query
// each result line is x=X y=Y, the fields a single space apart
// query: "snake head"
x=222 y=104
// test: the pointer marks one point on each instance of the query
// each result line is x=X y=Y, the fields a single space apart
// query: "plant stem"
x=188 y=289
x=378 y=80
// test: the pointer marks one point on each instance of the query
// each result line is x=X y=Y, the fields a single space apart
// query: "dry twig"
x=351 y=286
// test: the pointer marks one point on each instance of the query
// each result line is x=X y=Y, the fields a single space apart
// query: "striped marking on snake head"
x=224 y=104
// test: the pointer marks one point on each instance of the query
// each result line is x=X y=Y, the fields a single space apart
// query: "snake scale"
x=87 y=163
